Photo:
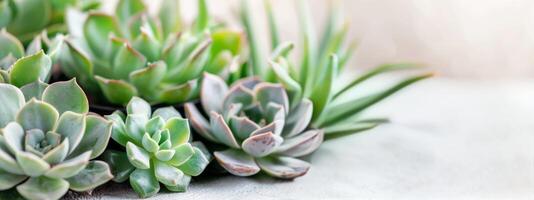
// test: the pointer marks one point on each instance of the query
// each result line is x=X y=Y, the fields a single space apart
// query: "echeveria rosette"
x=157 y=149
x=336 y=108
x=154 y=57
x=28 y=18
x=47 y=143
x=254 y=121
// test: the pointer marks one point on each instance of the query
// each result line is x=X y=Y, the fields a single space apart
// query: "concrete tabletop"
x=448 y=139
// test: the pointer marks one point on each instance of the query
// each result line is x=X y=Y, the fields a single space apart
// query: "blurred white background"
x=477 y=39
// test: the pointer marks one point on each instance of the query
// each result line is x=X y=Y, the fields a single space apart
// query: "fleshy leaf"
x=271 y=93
x=302 y=144
x=238 y=94
x=119 y=164
x=37 y=115
x=182 y=184
x=69 y=168
x=71 y=126
x=10 y=44
x=97 y=29
x=58 y=153
x=196 y=164
x=237 y=162
x=178 y=93
x=34 y=90
x=116 y=91
x=221 y=131
x=8 y=180
x=13 y=137
x=118 y=133
x=149 y=144
x=283 y=167
x=262 y=144
x=96 y=136
x=242 y=127
x=31 y=164
x=167 y=174
x=165 y=154
x=198 y=122
x=94 y=174
x=299 y=118
x=138 y=106
x=212 y=90
x=166 y=113
x=126 y=61
x=179 y=131
x=12 y=100
x=147 y=79
x=135 y=126
x=182 y=153
x=30 y=69
x=144 y=183
x=137 y=156
x=66 y=96
x=43 y=188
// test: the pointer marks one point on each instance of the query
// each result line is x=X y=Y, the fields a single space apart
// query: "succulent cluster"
x=28 y=18
x=134 y=54
x=47 y=143
x=255 y=122
x=157 y=149
x=335 y=107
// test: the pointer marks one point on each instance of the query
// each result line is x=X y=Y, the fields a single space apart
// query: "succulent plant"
x=336 y=107
x=28 y=18
x=47 y=143
x=157 y=149
x=256 y=126
x=154 y=57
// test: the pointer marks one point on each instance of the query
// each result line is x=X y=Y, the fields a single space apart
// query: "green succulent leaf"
x=73 y=62
x=31 y=16
x=119 y=133
x=167 y=174
x=182 y=184
x=138 y=106
x=13 y=135
x=342 y=130
x=198 y=122
x=196 y=164
x=166 y=113
x=37 y=115
x=135 y=126
x=321 y=94
x=292 y=86
x=116 y=91
x=66 y=96
x=31 y=164
x=119 y=164
x=137 y=156
x=165 y=154
x=182 y=154
x=97 y=29
x=147 y=79
x=12 y=101
x=179 y=131
x=127 y=61
x=9 y=180
x=30 y=69
x=9 y=44
x=128 y=8
x=149 y=144
x=43 y=188
x=71 y=125
x=237 y=162
x=96 y=136
x=69 y=168
x=171 y=21
x=58 y=153
x=94 y=174
x=144 y=183
x=34 y=90
x=178 y=93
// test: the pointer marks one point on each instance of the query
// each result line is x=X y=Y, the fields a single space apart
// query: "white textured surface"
x=449 y=139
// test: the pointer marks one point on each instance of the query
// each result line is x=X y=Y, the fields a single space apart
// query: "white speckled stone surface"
x=448 y=139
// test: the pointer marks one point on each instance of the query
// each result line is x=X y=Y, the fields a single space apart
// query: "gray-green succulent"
x=337 y=107
x=28 y=18
x=47 y=143
x=253 y=120
x=155 y=57
x=157 y=149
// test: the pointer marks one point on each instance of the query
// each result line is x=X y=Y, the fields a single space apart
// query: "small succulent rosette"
x=47 y=143
x=254 y=121
x=155 y=57
x=28 y=18
x=157 y=149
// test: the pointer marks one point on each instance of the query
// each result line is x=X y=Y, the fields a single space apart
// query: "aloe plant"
x=157 y=149
x=155 y=57
x=47 y=143
x=28 y=18
x=336 y=108
x=258 y=130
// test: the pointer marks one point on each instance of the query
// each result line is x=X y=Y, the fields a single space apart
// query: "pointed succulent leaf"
x=126 y=61
x=73 y=62
x=321 y=94
x=30 y=69
x=342 y=130
x=66 y=96
x=69 y=168
x=116 y=91
x=96 y=136
x=71 y=126
x=10 y=45
x=198 y=122
x=9 y=164
x=119 y=132
x=262 y=144
x=44 y=188
x=165 y=154
x=34 y=90
x=137 y=156
x=302 y=144
x=178 y=93
x=149 y=144
x=155 y=124
x=237 y=162
x=275 y=114
x=147 y=79
x=58 y=153
x=242 y=127
x=283 y=167
x=9 y=180
x=221 y=131
x=135 y=126
x=97 y=29
x=94 y=174
x=12 y=100
x=171 y=21
x=271 y=93
x=148 y=45
x=31 y=164
x=238 y=94
x=299 y=118
x=37 y=115
x=128 y=8
x=292 y=86
x=182 y=153
x=138 y=106
x=119 y=164
x=144 y=182
x=212 y=90
x=13 y=137
x=167 y=174
x=179 y=131
x=182 y=184
x=166 y=113
x=226 y=40
x=196 y=164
